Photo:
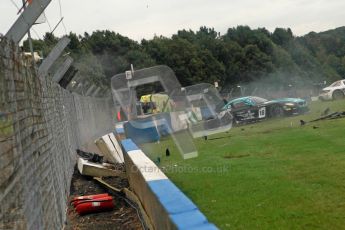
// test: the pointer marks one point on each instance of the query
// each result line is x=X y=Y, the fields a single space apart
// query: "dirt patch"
x=217 y=138
x=123 y=216
x=236 y=156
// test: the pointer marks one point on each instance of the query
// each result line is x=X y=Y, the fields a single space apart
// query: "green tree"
x=282 y=37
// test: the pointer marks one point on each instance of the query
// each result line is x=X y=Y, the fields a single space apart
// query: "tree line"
x=241 y=55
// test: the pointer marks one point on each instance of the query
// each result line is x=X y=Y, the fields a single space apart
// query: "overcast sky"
x=140 y=19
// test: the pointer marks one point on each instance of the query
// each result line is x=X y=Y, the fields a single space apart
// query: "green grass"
x=269 y=175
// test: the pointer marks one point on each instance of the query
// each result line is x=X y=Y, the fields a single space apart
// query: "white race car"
x=333 y=92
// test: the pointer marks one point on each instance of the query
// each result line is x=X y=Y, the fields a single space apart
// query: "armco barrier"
x=165 y=204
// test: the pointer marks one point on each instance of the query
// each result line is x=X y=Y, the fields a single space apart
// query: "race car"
x=251 y=108
x=335 y=91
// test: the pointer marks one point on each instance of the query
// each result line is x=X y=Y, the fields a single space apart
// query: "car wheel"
x=277 y=111
x=337 y=95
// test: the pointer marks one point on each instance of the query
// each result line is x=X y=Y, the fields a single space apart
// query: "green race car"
x=251 y=108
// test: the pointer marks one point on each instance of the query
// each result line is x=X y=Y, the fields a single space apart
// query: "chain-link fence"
x=41 y=126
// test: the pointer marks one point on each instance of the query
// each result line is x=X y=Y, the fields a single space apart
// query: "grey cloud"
x=143 y=18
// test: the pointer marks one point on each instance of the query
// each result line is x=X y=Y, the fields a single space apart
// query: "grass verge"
x=274 y=174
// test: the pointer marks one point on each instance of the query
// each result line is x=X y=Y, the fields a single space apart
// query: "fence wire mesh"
x=41 y=126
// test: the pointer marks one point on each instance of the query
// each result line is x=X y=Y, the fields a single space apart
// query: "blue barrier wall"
x=166 y=204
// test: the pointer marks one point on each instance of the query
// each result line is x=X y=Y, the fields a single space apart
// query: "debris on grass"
x=302 y=122
x=335 y=115
x=167 y=152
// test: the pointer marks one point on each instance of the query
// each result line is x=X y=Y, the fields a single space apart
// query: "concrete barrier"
x=120 y=131
x=165 y=204
x=111 y=149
